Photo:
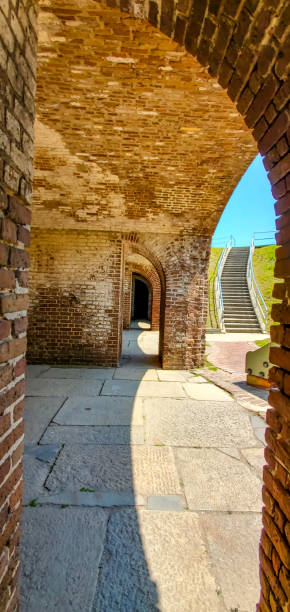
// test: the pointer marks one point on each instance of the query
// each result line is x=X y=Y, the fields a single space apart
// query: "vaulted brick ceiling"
x=131 y=133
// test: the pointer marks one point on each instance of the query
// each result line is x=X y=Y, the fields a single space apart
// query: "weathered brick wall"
x=147 y=119
x=17 y=86
x=75 y=290
x=146 y=269
x=181 y=263
x=127 y=294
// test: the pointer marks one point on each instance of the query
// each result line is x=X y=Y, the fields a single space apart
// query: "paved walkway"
x=142 y=490
x=228 y=351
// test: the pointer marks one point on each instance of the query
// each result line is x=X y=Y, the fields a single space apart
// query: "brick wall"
x=75 y=305
x=17 y=86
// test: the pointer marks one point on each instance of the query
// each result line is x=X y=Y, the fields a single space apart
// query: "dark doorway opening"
x=141 y=299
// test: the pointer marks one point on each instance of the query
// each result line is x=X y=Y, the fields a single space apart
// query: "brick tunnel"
x=146 y=117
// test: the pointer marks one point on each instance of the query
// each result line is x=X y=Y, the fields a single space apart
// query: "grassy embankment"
x=263 y=262
x=212 y=270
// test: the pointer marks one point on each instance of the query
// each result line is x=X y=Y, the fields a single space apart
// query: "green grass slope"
x=263 y=264
x=214 y=257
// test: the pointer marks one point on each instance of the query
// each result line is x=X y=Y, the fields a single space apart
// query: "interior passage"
x=142 y=299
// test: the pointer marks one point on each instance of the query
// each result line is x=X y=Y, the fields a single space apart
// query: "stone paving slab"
x=33 y=371
x=165 y=502
x=143 y=389
x=249 y=397
x=144 y=470
x=101 y=411
x=52 y=387
x=38 y=413
x=37 y=461
x=233 y=542
x=260 y=434
x=79 y=373
x=193 y=423
x=61 y=549
x=178 y=376
x=106 y=499
x=133 y=373
x=93 y=435
x=255 y=457
x=156 y=561
x=207 y=391
x=216 y=481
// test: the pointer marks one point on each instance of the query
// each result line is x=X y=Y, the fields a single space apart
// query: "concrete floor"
x=142 y=490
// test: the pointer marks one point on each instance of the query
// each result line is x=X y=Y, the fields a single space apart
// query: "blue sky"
x=250 y=208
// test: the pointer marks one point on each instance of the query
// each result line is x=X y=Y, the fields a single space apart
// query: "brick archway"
x=245 y=45
x=139 y=265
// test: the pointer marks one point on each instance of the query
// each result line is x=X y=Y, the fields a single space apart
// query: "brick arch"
x=135 y=245
x=245 y=45
x=139 y=265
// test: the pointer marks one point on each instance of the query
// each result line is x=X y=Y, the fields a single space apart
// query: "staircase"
x=239 y=314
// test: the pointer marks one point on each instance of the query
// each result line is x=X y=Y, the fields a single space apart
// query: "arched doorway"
x=141 y=309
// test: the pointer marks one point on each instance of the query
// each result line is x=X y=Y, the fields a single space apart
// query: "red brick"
x=18 y=453
x=19 y=213
x=284 y=578
x=11 y=349
x=8 y=230
x=19 y=258
x=280 y=170
x=277 y=539
x=278 y=492
x=4 y=469
x=3 y=199
x=22 y=278
x=23 y=235
x=276 y=375
x=16 y=496
x=5 y=424
x=262 y=100
x=18 y=411
x=14 y=303
x=7 y=279
x=281 y=402
x=275 y=131
x=9 y=397
x=266 y=544
x=20 y=325
x=280 y=357
x=282 y=267
x=280 y=313
x=279 y=189
x=5 y=329
x=283 y=205
x=4 y=254
x=19 y=368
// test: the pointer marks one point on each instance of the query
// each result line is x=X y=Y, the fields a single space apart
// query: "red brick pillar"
x=127 y=292
x=185 y=302
x=17 y=86
x=275 y=540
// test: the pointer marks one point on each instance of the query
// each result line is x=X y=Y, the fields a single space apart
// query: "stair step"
x=239 y=314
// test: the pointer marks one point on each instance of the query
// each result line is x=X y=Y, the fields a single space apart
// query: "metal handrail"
x=257 y=299
x=262 y=236
x=218 y=285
